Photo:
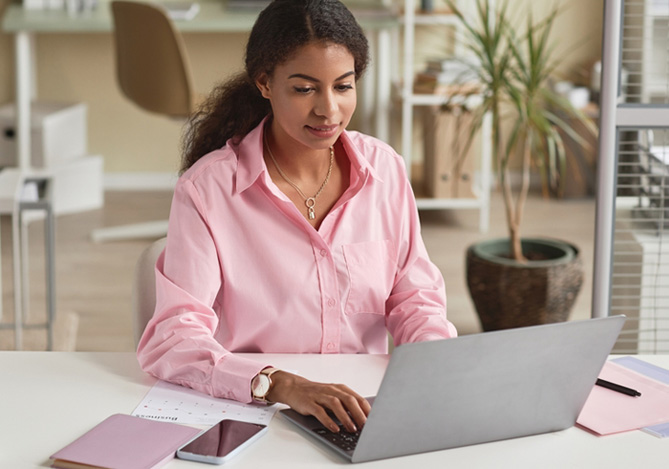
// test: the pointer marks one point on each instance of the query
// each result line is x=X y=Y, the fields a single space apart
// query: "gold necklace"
x=310 y=202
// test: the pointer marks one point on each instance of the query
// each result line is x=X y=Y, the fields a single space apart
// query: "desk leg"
x=50 y=274
x=25 y=83
x=25 y=269
x=18 y=306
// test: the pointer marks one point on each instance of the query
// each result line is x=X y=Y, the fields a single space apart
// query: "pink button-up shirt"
x=243 y=270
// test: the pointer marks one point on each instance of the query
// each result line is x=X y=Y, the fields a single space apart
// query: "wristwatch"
x=262 y=384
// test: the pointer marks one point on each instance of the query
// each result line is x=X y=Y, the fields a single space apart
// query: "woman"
x=288 y=233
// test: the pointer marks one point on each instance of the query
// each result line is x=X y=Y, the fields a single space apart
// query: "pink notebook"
x=606 y=412
x=125 y=442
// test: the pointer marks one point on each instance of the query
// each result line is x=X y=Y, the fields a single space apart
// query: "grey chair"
x=144 y=287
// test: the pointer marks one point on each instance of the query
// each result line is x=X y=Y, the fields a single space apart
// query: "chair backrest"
x=144 y=287
x=152 y=67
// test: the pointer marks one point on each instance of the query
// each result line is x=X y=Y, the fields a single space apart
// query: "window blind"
x=645 y=62
x=640 y=274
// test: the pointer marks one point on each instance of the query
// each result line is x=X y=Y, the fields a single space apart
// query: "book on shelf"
x=453 y=68
x=424 y=84
x=452 y=63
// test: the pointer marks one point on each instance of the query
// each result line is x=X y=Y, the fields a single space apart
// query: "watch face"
x=260 y=385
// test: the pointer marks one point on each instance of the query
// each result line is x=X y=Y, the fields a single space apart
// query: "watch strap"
x=269 y=371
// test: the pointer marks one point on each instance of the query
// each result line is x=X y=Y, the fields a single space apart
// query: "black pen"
x=618 y=388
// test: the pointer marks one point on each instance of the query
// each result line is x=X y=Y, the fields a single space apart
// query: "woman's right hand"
x=311 y=398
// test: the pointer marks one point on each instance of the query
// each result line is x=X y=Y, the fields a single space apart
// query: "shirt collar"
x=250 y=162
x=251 y=165
x=359 y=163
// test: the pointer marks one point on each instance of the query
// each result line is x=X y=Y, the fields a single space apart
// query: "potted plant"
x=517 y=282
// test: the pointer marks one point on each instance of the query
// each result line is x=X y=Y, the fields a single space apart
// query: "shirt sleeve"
x=178 y=344
x=416 y=307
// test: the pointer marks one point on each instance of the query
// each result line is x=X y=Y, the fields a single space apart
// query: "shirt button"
x=331 y=346
x=331 y=302
x=324 y=252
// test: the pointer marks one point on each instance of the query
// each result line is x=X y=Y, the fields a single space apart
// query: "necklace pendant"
x=310 y=202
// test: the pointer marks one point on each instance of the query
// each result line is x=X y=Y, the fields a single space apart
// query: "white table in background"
x=15 y=202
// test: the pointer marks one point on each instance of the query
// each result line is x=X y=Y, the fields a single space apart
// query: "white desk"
x=51 y=398
x=212 y=18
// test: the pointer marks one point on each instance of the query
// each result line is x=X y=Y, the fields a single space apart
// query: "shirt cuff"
x=428 y=336
x=232 y=377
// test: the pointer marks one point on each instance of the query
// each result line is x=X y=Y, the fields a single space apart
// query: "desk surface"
x=51 y=398
x=213 y=17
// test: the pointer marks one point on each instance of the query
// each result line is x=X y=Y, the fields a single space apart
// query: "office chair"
x=153 y=71
x=144 y=287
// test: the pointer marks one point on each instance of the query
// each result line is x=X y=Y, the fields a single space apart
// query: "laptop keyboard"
x=344 y=439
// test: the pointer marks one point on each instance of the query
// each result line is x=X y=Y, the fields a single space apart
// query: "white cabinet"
x=59 y=152
x=57 y=133
x=411 y=102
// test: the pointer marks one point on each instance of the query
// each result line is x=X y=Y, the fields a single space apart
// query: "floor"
x=94 y=281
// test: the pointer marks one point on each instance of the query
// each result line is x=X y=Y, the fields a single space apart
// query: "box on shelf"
x=448 y=173
x=77 y=184
x=58 y=133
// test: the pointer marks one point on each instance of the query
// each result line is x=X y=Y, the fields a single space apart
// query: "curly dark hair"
x=236 y=107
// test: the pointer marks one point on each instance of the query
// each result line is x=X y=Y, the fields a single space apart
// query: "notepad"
x=124 y=442
x=658 y=374
x=606 y=412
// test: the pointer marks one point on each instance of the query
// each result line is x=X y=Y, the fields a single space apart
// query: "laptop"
x=476 y=389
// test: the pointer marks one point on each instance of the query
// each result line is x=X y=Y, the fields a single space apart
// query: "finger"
x=337 y=406
x=365 y=406
x=323 y=417
x=359 y=408
x=354 y=410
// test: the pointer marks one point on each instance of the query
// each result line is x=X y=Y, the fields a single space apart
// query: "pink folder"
x=607 y=411
x=125 y=442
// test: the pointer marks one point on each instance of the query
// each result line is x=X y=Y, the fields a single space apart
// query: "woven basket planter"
x=509 y=294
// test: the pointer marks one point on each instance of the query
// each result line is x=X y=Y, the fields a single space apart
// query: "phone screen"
x=223 y=438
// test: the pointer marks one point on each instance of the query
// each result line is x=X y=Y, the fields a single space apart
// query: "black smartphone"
x=221 y=442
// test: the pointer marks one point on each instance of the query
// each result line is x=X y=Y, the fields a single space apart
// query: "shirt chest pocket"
x=371 y=270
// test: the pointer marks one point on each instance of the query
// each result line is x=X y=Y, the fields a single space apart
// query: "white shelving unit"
x=410 y=100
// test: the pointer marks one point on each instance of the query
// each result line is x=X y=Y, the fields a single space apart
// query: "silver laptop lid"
x=485 y=387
